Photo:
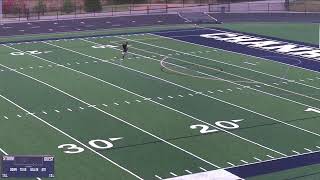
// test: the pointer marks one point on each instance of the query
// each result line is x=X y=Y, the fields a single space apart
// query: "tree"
x=68 y=6
x=93 y=5
x=41 y=7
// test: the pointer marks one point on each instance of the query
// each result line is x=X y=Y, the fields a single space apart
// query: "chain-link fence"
x=35 y=9
x=266 y=6
x=64 y=9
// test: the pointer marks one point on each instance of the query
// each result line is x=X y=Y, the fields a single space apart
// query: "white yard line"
x=232 y=82
x=221 y=129
x=237 y=65
x=111 y=115
x=240 y=107
x=69 y=136
x=5 y=153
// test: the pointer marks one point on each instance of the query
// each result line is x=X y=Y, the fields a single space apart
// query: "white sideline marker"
x=249 y=63
x=257 y=159
x=127 y=102
x=173 y=174
x=307 y=149
x=219 y=174
x=203 y=169
x=246 y=162
x=270 y=156
x=295 y=152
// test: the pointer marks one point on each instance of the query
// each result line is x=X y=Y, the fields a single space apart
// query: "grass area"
x=136 y=119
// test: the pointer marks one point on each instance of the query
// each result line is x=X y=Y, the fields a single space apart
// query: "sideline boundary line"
x=280 y=97
x=216 y=78
x=265 y=59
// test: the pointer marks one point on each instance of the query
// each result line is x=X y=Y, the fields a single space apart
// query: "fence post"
x=1 y=4
x=112 y=11
x=28 y=14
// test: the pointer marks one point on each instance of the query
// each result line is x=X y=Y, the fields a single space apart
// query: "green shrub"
x=93 y=5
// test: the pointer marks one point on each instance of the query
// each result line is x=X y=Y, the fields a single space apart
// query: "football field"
x=170 y=108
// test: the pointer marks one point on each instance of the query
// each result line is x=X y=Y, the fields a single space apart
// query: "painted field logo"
x=267 y=44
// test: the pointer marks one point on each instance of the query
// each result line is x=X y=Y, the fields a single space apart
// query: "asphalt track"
x=95 y=23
